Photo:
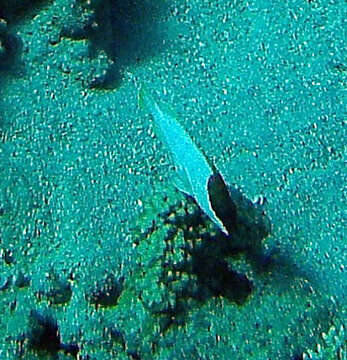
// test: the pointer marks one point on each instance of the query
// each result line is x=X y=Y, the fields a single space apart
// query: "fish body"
x=195 y=174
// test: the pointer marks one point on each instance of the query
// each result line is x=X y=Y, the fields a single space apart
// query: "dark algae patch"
x=126 y=31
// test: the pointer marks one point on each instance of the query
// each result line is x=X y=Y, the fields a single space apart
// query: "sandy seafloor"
x=259 y=87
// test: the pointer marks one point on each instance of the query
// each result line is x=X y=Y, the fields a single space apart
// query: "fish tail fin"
x=144 y=99
x=140 y=98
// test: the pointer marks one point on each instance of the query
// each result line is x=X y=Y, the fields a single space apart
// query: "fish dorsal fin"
x=182 y=181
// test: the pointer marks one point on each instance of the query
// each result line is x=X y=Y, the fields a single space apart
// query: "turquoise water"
x=100 y=257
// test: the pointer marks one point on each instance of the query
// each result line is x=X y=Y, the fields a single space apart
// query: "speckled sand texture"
x=101 y=258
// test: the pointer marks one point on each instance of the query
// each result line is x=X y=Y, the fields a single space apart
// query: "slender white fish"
x=196 y=177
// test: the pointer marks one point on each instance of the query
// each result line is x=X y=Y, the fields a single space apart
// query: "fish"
x=196 y=176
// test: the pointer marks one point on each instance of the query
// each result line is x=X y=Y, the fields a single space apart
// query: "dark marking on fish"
x=221 y=201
